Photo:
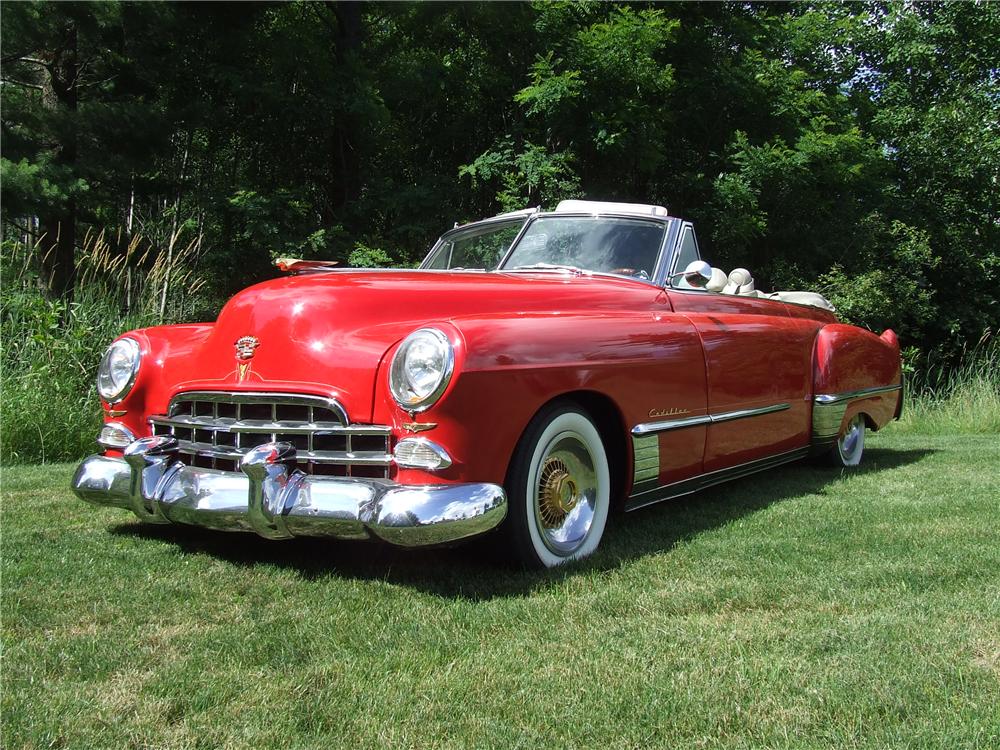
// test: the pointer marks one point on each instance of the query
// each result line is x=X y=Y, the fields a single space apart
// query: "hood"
x=326 y=333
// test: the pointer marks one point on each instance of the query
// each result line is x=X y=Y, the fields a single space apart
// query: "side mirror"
x=698 y=273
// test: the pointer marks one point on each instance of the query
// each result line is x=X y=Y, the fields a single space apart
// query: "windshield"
x=478 y=247
x=589 y=243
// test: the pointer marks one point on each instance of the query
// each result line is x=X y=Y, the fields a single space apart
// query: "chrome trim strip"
x=256 y=397
x=833 y=398
x=227 y=424
x=829 y=410
x=646 y=458
x=366 y=458
x=648 y=428
x=742 y=413
x=712 y=478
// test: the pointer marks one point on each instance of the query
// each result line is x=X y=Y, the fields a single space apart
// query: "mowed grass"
x=802 y=607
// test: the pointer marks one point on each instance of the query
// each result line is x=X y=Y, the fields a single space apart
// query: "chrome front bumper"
x=274 y=499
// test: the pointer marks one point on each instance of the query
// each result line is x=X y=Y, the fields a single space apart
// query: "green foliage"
x=895 y=293
x=49 y=408
x=945 y=398
x=369 y=257
x=532 y=177
x=848 y=148
x=50 y=349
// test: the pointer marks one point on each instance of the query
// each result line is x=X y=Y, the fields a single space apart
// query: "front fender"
x=512 y=366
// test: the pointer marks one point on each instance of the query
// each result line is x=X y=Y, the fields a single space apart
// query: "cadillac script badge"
x=245 y=347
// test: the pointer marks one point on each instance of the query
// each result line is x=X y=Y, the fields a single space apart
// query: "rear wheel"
x=850 y=445
x=559 y=489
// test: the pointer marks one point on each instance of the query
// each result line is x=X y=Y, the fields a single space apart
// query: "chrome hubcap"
x=565 y=494
x=849 y=441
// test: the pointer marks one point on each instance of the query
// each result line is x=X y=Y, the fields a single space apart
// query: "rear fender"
x=854 y=371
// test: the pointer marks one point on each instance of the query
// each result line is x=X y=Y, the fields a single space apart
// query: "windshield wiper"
x=550 y=267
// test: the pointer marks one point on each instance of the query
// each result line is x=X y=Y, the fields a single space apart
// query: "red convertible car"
x=538 y=368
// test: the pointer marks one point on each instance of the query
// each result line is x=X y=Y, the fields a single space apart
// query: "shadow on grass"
x=470 y=573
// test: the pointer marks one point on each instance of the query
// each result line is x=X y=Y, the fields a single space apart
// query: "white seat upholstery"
x=803 y=298
x=718 y=281
x=741 y=283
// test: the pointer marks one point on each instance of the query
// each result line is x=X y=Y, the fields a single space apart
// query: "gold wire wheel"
x=557 y=492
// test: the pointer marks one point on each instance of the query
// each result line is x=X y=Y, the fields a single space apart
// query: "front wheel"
x=850 y=445
x=559 y=489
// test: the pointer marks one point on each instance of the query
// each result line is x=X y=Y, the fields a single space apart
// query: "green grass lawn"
x=801 y=607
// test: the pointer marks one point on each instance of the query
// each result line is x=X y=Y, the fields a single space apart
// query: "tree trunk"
x=345 y=161
x=58 y=247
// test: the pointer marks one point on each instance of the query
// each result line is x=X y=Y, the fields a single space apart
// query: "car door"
x=758 y=364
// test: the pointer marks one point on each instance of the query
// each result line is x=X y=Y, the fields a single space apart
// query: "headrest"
x=740 y=282
x=718 y=281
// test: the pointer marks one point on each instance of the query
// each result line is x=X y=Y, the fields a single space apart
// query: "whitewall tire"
x=559 y=489
x=850 y=444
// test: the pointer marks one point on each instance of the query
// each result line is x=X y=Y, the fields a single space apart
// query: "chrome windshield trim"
x=648 y=428
x=512 y=218
x=666 y=221
x=833 y=398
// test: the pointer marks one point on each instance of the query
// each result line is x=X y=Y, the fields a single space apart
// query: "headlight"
x=118 y=369
x=421 y=369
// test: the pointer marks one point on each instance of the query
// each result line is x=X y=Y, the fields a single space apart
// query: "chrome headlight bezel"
x=106 y=387
x=401 y=386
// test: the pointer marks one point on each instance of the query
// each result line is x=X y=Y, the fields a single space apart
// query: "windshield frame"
x=511 y=218
x=666 y=248
x=666 y=257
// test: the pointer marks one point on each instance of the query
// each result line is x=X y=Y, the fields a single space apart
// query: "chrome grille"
x=214 y=430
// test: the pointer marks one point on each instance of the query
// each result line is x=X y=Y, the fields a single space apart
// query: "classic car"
x=538 y=369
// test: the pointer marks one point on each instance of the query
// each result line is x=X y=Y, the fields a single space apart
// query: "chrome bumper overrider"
x=278 y=501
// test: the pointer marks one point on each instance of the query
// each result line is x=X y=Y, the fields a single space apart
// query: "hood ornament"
x=245 y=348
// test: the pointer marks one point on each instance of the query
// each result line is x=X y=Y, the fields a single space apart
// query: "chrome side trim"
x=742 y=413
x=646 y=458
x=712 y=478
x=833 y=398
x=829 y=410
x=648 y=428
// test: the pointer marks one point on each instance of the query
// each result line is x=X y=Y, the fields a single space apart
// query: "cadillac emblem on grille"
x=245 y=347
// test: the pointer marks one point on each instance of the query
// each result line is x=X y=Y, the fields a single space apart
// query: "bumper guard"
x=276 y=500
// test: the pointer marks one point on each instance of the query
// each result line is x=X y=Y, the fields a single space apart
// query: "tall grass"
x=49 y=351
x=964 y=398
